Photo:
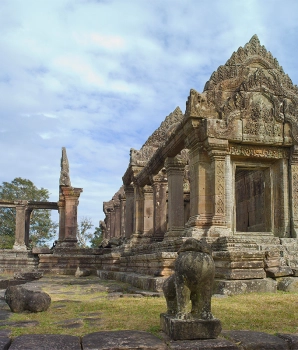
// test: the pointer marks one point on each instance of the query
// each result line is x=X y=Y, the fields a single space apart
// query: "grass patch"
x=95 y=311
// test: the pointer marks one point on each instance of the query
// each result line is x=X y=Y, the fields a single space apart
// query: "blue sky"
x=98 y=77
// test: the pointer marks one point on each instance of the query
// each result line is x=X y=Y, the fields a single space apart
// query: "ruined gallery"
x=225 y=171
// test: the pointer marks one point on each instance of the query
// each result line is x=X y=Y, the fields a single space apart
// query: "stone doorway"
x=253 y=199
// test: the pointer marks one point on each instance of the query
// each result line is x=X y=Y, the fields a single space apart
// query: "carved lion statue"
x=192 y=280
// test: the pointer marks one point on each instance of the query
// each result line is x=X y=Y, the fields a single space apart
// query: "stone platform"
x=138 y=340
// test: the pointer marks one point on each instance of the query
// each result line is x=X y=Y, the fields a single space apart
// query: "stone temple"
x=226 y=171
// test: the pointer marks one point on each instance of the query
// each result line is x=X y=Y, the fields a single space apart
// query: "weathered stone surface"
x=295 y=272
x=287 y=284
x=118 y=340
x=82 y=272
x=256 y=340
x=46 y=342
x=233 y=287
x=28 y=275
x=20 y=299
x=290 y=339
x=5 y=340
x=279 y=271
x=178 y=329
x=205 y=344
x=41 y=250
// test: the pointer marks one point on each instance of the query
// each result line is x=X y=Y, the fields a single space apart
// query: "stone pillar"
x=159 y=186
x=61 y=211
x=294 y=191
x=219 y=205
x=122 y=198
x=117 y=226
x=112 y=222
x=19 y=243
x=147 y=213
x=201 y=200
x=129 y=210
x=71 y=197
x=175 y=172
x=138 y=211
x=28 y=212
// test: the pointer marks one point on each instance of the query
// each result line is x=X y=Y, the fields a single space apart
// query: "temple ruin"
x=225 y=171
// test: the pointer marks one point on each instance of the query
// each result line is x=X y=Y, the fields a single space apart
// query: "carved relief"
x=259 y=152
x=219 y=187
x=251 y=88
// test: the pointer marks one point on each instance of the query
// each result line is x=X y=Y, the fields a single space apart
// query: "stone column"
x=201 y=209
x=19 y=243
x=28 y=212
x=61 y=211
x=71 y=197
x=159 y=186
x=294 y=191
x=112 y=222
x=129 y=210
x=147 y=213
x=138 y=211
x=175 y=172
x=122 y=198
x=117 y=211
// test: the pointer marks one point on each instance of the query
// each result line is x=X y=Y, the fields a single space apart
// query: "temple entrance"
x=253 y=199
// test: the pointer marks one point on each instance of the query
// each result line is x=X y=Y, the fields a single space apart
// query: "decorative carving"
x=259 y=152
x=251 y=87
x=64 y=173
x=219 y=187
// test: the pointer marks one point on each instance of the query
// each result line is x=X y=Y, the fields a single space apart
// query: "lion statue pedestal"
x=192 y=281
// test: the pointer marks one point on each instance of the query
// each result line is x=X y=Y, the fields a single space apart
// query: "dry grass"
x=95 y=311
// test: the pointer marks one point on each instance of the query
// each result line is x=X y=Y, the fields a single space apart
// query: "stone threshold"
x=125 y=340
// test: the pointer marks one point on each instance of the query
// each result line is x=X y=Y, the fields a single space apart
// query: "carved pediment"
x=250 y=97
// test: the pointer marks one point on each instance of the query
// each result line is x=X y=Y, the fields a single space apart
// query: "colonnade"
x=151 y=212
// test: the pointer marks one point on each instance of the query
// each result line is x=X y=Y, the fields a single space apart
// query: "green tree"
x=42 y=228
x=97 y=238
x=87 y=238
x=83 y=233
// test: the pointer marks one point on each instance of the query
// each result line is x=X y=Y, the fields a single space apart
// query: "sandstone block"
x=46 y=342
x=20 y=299
x=118 y=340
x=28 y=275
x=279 y=271
x=256 y=340
x=82 y=272
x=178 y=329
x=287 y=284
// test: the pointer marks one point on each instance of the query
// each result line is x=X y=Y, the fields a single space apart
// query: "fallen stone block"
x=82 y=272
x=28 y=275
x=287 y=284
x=280 y=271
x=122 y=340
x=46 y=342
x=256 y=340
x=20 y=299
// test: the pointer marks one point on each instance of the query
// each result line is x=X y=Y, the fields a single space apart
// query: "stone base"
x=189 y=329
x=234 y=287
